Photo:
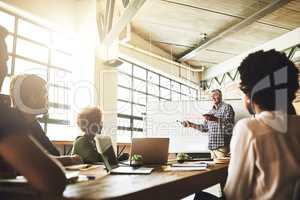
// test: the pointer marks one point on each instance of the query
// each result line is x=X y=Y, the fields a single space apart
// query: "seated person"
x=22 y=153
x=265 y=149
x=19 y=149
x=89 y=120
x=29 y=96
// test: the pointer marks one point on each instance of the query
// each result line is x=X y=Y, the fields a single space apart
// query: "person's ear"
x=248 y=104
x=248 y=101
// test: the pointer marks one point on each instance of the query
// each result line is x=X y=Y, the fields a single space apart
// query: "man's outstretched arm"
x=201 y=127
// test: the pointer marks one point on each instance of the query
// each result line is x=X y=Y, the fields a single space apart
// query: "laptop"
x=153 y=150
x=104 y=146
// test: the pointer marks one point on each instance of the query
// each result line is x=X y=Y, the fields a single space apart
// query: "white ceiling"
x=178 y=26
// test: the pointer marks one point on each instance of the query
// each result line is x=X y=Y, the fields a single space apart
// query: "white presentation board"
x=161 y=121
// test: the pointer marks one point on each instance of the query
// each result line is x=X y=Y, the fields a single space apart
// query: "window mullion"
x=13 y=57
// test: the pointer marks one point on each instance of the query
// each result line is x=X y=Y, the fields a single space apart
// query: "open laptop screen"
x=104 y=146
x=109 y=153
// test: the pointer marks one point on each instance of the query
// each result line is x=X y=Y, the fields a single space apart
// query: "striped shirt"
x=219 y=132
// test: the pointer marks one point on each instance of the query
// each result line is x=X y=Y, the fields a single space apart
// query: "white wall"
x=84 y=65
x=106 y=84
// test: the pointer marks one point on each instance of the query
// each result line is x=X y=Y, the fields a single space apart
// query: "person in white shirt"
x=265 y=149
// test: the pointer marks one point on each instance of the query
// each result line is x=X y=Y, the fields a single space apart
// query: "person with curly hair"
x=265 y=149
x=89 y=120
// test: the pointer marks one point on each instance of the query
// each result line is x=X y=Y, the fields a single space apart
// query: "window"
x=139 y=72
x=7 y=21
x=9 y=40
x=60 y=59
x=165 y=82
x=296 y=54
x=175 y=86
x=165 y=93
x=32 y=51
x=126 y=68
x=124 y=108
x=33 y=32
x=153 y=78
x=124 y=80
x=175 y=96
x=124 y=94
x=45 y=52
x=26 y=67
x=137 y=87
x=153 y=89
x=139 y=98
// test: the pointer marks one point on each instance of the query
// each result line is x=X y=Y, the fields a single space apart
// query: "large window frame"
x=154 y=86
x=48 y=66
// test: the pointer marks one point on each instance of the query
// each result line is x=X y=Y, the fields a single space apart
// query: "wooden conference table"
x=158 y=185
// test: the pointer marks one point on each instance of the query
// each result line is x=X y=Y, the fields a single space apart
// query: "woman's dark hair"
x=279 y=73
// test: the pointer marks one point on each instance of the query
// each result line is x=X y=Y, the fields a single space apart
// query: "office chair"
x=296 y=193
x=5 y=100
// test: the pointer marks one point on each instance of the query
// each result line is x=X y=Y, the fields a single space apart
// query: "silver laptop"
x=153 y=150
x=104 y=146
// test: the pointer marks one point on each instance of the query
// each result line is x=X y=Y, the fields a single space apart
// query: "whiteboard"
x=161 y=121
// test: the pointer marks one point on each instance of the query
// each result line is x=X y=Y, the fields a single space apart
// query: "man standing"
x=218 y=123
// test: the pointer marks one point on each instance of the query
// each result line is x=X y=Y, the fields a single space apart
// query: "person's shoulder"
x=249 y=122
x=8 y=113
x=252 y=126
x=78 y=142
x=10 y=119
x=36 y=129
x=242 y=133
x=81 y=139
x=245 y=125
x=227 y=105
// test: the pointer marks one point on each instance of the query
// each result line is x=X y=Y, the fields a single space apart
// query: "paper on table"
x=222 y=160
x=77 y=167
x=198 y=164
x=169 y=168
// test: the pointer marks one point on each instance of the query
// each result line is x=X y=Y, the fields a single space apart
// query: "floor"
x=216 y=190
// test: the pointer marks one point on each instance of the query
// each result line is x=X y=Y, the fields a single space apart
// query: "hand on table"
x=69 y=160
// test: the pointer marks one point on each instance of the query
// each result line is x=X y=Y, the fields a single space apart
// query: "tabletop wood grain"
x=158 y=185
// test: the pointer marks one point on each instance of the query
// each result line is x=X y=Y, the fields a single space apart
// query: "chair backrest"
x=296 y=193
x=5 y=100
